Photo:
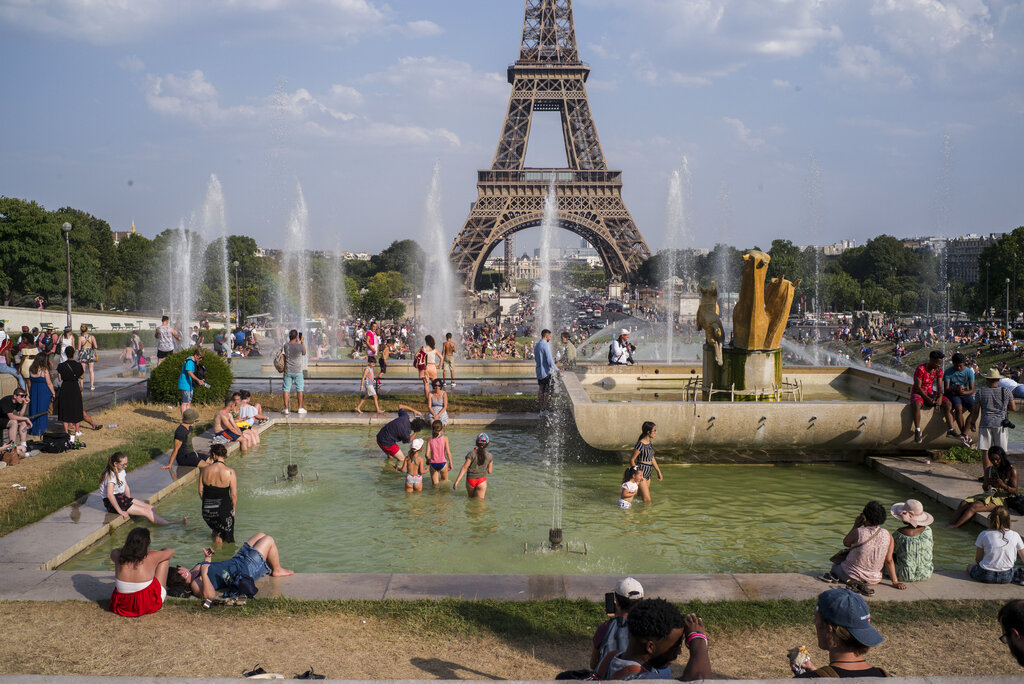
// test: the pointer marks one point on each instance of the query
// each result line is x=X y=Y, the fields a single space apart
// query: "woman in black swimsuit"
x=643 y=456
x=218 y=488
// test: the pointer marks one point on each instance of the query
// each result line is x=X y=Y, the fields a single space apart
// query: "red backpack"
x=421 y=359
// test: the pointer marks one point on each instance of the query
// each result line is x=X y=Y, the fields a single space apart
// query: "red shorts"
x=476 y=481
x=137 y=603
x=392 y=450
x=916 y=398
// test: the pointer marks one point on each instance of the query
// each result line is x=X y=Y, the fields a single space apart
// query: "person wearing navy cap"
x=842 y=621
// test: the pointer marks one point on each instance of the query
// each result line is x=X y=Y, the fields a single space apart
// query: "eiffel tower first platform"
x=549 y=76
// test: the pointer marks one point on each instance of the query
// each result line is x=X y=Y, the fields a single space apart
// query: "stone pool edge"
x=28 y=561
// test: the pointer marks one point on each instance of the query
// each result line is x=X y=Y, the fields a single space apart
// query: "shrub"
x=163 y=381
x=963 y=454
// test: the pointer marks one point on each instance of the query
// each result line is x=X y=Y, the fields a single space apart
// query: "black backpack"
x=200 y=371
x=55 y=442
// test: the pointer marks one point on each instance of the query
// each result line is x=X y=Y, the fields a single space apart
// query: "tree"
x=92 y=256
x=134 y=258
x=405 y=257
x=30 y=237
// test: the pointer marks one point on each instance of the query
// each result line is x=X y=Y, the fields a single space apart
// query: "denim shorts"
x=293 y=378
x=186 y=396
x=980 y=574
x=250 y=563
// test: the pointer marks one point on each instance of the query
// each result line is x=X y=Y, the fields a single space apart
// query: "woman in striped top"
x=643 y=456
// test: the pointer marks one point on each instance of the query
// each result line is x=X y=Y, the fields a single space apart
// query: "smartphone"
x=609 y=603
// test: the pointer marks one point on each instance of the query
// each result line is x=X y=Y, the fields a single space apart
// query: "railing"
x=545 y=176
x=694 y=390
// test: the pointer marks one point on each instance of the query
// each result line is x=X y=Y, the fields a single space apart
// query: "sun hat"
x=993 y=374
x=482 y=439
x=912 y=512
x=417 y=444
x=190 y=416
x=847 y=609
x=624 y=332
x=629 y=588
x=67 y=328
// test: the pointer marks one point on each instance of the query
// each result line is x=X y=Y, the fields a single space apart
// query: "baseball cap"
x=624 y=332
x=847 y=609
x=417 y=444
x=629 y=588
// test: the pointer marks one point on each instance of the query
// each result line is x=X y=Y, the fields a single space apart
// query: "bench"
x=90 y=326
x=128 y=326
x=152 y=326
x=115 y=326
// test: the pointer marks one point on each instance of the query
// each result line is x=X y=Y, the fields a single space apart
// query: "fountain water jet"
x=338 y=299
x=675 y=220
x=183 y=247
x=439 y=290
x=215 y=227
x=294 y=276
x=544 y=316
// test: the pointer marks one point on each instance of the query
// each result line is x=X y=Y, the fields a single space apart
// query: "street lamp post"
x=986 y=289
x=1007 y=305
x=67 y=243
x=238 y=306
x=948 y=286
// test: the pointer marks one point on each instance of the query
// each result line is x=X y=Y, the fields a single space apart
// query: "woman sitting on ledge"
x=870 y=549
x=998 y=549
x=1000 y=483
x=140 y=576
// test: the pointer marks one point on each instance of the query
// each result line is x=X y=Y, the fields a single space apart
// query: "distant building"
x=122 y=234
x=963 y=255
x=918 y=244
x=838 y=248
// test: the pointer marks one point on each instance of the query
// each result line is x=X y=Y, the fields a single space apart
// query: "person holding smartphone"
x=613 y=635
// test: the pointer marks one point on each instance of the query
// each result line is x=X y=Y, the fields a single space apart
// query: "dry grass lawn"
x=132 y=419
x=185 y=640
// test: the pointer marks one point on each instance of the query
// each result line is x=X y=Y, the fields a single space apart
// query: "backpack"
x=611 y=354
x=200 y=371
x=55 y=442
x=421 y=360
x=279 y=360
x=602 y=673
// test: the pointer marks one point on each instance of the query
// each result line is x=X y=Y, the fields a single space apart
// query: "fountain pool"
x=705 y=518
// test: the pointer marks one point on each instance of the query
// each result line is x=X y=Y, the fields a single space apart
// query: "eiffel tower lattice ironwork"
x=549 y=76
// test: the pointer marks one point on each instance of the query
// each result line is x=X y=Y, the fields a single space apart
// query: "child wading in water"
x=368 y=387
x=631 y=480
x=479 y=464
x=439 y=454
x=413 y=467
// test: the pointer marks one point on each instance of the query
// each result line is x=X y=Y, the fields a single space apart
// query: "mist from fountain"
x=338 y=293
x=675 y=229
x=214 y=228
x=723 y=269
x=438 y=314
x=816 y=220
x=544 y=316
x=293 y=293
x=182 y=293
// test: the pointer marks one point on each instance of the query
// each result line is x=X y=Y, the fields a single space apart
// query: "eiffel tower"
x=549 y=77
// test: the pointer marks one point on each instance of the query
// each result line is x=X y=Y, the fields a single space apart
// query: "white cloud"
x=130 y=21
x=780 y=83
x=441 y=80
x=742 y=133
x=866 y=65
x=931 y=26
x=338 y=114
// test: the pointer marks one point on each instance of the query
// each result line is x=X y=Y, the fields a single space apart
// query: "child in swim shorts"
x=413 y=467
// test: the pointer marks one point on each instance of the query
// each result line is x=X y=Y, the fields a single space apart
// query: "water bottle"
x=112 y=426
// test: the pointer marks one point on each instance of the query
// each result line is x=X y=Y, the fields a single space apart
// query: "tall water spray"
x=816 y=220
x=723 y=267
x=675 y=227
x=215 y=227
x=438 y=315
x=338 y=293
x=294 y=287
x=182 y=247
x=544 y=315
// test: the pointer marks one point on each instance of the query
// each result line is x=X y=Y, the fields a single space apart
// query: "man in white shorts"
x=993 y=402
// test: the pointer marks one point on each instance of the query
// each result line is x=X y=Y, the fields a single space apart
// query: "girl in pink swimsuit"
x=439 y=454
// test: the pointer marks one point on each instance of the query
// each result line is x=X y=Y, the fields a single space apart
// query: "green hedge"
x=115 y=340
x=163 y=381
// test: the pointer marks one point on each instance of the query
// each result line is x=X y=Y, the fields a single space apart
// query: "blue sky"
x=812 y=120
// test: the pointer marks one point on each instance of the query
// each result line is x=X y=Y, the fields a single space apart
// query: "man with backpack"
x=657 y=634
x=620 y=352
x=190 y=375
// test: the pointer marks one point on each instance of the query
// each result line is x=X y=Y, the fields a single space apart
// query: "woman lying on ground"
x=257 y=557
x=870 y=549
x=999 y=484
x=140 y=576
x=998 y=550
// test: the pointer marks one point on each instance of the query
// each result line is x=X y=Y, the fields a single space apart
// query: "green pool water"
x=704 y=518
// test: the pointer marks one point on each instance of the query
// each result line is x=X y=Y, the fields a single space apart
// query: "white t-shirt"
x=164 y=339
x=248 y=414
x=1000 y=548
x=119 y=484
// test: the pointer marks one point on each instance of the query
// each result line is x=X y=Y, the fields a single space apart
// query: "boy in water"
x=368 y=387
x=413 y=467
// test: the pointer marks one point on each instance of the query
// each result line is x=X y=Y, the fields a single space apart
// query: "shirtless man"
x=256 y=558
x=414 y=466
x=448 y=358
x=225 y=429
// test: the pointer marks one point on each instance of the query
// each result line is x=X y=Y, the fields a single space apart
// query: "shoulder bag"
x=840 y=556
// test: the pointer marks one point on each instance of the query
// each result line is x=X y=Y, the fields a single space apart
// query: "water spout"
x=439 y=290
x=547 y=229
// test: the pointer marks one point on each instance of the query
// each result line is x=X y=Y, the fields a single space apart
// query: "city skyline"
x=803 y=120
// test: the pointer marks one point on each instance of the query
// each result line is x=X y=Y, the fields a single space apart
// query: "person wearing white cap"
x=613 y=634
x=414 y=466
x=620 y=353
x=912 y=551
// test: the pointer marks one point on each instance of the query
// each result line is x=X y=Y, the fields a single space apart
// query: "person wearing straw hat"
x=992 y=402
x=912 y=552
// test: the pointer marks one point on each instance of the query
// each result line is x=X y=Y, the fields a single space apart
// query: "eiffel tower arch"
x=549 y=77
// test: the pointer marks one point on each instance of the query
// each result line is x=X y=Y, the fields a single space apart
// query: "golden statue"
x=759 y=318
x=709 y=321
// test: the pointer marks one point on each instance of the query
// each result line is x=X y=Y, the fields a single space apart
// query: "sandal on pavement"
x=860 y=588
x=828 y=577
x=309 y=674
